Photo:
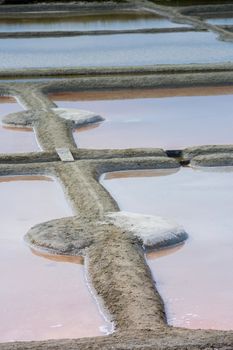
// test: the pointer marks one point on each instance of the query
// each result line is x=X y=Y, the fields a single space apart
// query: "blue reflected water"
x=221 y=21
x=115 y=50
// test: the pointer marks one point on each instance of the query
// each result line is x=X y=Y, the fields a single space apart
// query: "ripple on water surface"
x=195 y=280
x=42 y=296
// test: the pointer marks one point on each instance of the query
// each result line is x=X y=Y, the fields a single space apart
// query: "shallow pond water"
x=221 y=21
x=87 y=22
x=102 y=50
x=15 y=140
x=171 y=119
x=195 y=280
x=42 y=296
x=190 y=2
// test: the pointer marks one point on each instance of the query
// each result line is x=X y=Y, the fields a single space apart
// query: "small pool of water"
x=171 y=119
x=102 y=50
x=221 y=21
x=42 y=296
x=87 y=22
x=190 y=2
x=15 y=140
x=195 y=280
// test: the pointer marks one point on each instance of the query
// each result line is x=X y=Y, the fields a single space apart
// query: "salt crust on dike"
x=154 y=231
x=78 y=116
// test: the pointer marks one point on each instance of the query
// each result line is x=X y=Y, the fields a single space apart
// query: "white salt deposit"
x=154 y=231
x=78 y=116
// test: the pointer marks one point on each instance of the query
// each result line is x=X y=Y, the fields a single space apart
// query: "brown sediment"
x=59 y=258
x=7 y=99
x=25 y=178
x=17 y=128
x=163 y=252
x=70 y=9
x=128 y=94
x=138 y=173
x=88 y=127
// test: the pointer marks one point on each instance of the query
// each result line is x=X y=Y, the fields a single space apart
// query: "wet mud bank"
x=212 y=73
x=212 y=155
x=64 y=34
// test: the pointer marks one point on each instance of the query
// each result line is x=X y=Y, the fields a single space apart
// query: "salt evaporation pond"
x=221 y=21
x=15 y=140
x=195 y=280
x=187 y=3
x=102 y=50
x=41 y=297
x=171 y=119
x=116 y=21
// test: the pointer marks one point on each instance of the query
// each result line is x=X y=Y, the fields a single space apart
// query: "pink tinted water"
x=15 y=140
x=171 y=119
x=41 y=296
x=195 y=280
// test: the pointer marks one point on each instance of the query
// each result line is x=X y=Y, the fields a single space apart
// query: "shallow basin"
x=87 y=22
x=102 y=50
x=15 y=140
x=168 y=118
x=42 y=296
x=221 y=21
x=195 y=280
x=182 y=3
